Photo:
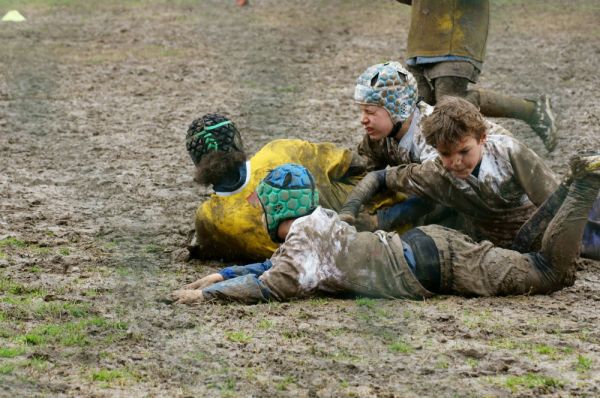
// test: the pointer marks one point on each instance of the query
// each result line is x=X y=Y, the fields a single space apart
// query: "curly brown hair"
x=452 y=120
x=217 y=166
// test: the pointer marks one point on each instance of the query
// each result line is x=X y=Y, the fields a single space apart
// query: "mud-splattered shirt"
x=323 y=254
x=412 y=148
x=512 y=181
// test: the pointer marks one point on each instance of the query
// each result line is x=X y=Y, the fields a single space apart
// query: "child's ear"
x=483 y=138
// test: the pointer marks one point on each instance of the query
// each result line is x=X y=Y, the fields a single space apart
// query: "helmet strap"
x=395 y=129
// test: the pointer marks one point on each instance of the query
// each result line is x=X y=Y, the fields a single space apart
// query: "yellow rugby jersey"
x=228 y=226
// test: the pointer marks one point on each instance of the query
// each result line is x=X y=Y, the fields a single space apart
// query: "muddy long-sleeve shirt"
x=323 y=254
x=412 y=148
x=512 y=181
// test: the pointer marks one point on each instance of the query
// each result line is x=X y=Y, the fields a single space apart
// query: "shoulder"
x=425 y=108
x=496 y=129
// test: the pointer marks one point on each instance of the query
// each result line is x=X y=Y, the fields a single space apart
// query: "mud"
x=97 y=199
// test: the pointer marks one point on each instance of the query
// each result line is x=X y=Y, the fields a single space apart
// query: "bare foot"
x=186 y=296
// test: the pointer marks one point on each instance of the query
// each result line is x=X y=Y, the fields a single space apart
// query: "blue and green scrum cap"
x=288 y=191
x=390 y=86
x=210 y=133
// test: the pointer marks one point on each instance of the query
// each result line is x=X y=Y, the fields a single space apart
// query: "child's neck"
x=232 y=181
x=404 y=128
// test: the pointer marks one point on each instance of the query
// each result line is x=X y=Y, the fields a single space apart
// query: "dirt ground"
x=97 y=198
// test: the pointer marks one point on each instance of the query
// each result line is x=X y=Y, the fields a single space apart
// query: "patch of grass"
x=265 y=324
x=153 y=249
x=532 y=381
x=72 y=333
x=58 y=310
x=343 y=354
x=401 y=347
x=7 y=352
x=545 y=350
x=583 y=364
x=228 y=385
x=472 y=362
x=283 y=384
x=504 y=344
x=14 y=288
x=366 y=302
x=109 y=375
x=238 y=337
x=42 y=250
x=318 y=301
x=35 y=269
x=64 y=251
x=473 y=320
x=6 y=369
x=34 y=363
x=123 y=270
x=287 y=89
x=12 y=242
x=442 y=363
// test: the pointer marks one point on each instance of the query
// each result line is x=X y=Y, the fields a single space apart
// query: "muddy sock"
x=562 y=239
x=493 y=104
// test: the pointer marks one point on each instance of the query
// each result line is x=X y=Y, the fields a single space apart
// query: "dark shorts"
x=432 y=71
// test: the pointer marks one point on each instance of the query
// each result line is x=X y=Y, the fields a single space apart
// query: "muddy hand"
x=362 y=193
x=204 y=282
x=186 y=296
x=347 y=217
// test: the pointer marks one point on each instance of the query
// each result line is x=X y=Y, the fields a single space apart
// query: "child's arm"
x=534 y=176
x=256 y=269
x=366 y=150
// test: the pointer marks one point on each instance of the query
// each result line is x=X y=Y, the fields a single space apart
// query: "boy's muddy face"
x=461 y=158
x=376 y=120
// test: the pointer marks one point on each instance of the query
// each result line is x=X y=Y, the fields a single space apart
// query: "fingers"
x=349 y=218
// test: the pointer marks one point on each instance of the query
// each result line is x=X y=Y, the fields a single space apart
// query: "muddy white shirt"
x=512 y=181
x=322 y=253
x=412 y=147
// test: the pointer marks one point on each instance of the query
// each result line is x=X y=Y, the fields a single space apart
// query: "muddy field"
x=97 y=198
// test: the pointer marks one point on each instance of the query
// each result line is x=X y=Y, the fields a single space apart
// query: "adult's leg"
x=424 y=87
x=537 y=113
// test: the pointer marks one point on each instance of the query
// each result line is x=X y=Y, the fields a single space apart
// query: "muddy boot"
x=537 y=113
x=543 y=122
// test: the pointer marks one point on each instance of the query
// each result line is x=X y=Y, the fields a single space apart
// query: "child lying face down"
x=322 y=254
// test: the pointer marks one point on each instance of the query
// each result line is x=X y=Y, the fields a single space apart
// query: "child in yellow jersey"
x=227 y=225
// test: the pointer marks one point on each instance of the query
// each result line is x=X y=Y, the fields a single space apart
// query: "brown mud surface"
x=97 y=197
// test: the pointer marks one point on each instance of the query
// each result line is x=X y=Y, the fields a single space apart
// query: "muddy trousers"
x=480 y=269
x=534 y=227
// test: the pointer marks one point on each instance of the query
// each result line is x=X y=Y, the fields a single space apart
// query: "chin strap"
x=395 y=129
